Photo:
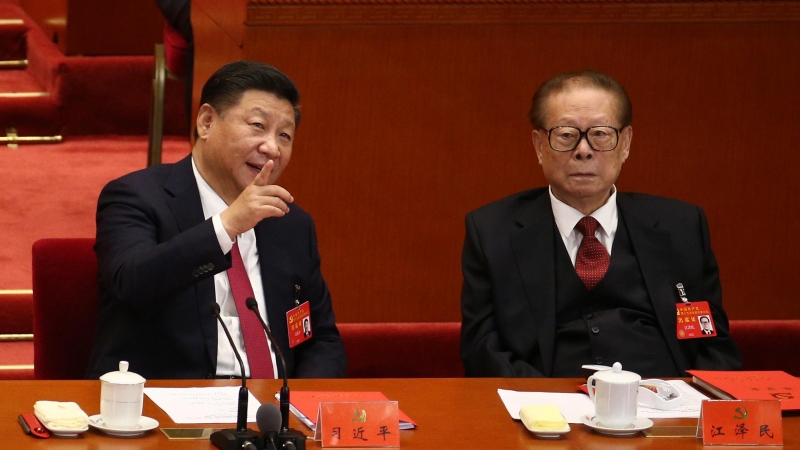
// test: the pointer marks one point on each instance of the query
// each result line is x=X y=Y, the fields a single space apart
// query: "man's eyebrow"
x=270 y=113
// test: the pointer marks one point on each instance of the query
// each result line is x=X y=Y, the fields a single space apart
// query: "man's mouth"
x=255 y=167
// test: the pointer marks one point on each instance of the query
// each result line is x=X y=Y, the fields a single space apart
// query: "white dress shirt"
x=213 y=205
x=567 y=217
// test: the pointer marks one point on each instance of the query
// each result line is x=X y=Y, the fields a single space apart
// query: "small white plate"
x=66 y=432
x=145 y=424
x=548 y=434
x=62 y=432
x=639 y=424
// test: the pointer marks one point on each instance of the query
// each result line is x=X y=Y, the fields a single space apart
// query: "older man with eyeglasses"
x=578 y=273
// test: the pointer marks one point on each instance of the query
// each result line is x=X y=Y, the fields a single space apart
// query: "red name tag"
x=695 y=321
x=741 y=422
x=298 y=322
x=358 y=424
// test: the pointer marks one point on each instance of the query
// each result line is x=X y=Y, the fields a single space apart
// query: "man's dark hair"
x=581 y=79
x=225 y=88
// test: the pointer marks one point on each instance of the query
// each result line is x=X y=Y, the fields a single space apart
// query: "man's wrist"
x=224 y=238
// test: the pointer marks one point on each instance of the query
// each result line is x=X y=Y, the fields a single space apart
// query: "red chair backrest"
x=64 y=307
x=768 y=344
x=402 y=350
x=175 y=50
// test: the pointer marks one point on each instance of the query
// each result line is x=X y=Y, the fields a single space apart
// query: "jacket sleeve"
x=143 y=259
x=719 y=352
x=324 y=356
x=483 y=351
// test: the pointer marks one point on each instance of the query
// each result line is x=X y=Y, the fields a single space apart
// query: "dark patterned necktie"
x=593 y=260
x=255 y=341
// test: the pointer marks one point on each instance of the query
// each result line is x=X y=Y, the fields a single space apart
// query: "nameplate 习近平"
x=358 y=424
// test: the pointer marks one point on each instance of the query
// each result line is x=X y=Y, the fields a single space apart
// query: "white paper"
x=203 y=404
x=573 y=405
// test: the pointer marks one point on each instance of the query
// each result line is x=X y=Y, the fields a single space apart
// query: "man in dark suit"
x=168 y=238
x=578 y=273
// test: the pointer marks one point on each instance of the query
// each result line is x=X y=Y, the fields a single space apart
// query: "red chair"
x=64 y=307
x=767 y=344
x=402 y=350
x=65 y=312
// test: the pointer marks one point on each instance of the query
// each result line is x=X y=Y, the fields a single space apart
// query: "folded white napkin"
x=60 y=414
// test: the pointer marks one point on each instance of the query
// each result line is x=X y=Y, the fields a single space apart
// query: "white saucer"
x=639 y=424
x=145 y=424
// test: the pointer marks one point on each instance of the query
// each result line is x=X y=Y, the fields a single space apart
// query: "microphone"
x=268 y=418
x=241 y=437
x=287 y=438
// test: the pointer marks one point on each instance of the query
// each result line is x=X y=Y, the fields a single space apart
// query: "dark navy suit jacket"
x=157 y=257
x=508 y=299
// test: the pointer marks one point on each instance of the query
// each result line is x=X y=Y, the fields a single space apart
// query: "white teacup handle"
x=590 y=387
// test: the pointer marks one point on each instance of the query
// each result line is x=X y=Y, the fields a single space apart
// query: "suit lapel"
x=183 y=199
x=533 y=250
x=652 y=249
x=183 y=196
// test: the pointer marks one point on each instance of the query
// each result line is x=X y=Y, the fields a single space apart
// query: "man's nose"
x=583 y=150
x=270 y=147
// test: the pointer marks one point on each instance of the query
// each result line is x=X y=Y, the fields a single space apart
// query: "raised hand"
x=258 y=201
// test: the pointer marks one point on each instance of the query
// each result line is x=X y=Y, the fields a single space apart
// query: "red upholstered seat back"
x=402 y=350
x=175 y=50
x=64 y=307
x=65 y=312
x=768 y=344
x=16 y=316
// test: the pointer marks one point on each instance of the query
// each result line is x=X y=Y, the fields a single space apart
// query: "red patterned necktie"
x=255 y=341
x=593 y=260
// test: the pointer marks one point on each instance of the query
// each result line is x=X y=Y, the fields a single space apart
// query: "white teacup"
x=121 y=398
x=614 y=394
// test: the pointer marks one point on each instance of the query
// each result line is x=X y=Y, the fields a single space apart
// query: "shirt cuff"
x=224 y=240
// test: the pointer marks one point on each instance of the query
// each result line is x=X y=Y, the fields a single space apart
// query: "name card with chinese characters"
x=741 y=422
x=358 y=424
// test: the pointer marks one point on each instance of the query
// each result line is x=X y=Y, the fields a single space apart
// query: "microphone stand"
x=287 y=438
x=242 y=438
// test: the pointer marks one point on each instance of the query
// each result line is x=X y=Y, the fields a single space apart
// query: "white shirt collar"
x=212 y=203
x=567 y=217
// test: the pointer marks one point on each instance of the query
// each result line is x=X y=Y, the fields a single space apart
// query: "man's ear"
x=206 y=117
x=625 y=142
x=538 y=142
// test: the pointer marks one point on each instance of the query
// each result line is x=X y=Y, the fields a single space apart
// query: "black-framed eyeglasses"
x=566 y=139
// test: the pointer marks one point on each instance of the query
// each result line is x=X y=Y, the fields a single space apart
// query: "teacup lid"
x=617 y=375
x=123 y=376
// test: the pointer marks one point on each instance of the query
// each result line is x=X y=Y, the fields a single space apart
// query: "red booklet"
x=751 y=385
x=305 y=404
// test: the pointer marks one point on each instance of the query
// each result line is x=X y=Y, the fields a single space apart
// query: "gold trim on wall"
x=327 y=12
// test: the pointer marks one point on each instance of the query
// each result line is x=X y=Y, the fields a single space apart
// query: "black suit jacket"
x=509 y=293
x=157 y=257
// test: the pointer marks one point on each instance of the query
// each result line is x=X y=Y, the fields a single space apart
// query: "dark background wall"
x=414 y=114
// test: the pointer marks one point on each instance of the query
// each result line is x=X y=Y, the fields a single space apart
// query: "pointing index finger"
x=262 y=179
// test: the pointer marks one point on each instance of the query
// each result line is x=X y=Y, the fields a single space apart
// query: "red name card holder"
x=740 y=422
x=358 y=424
